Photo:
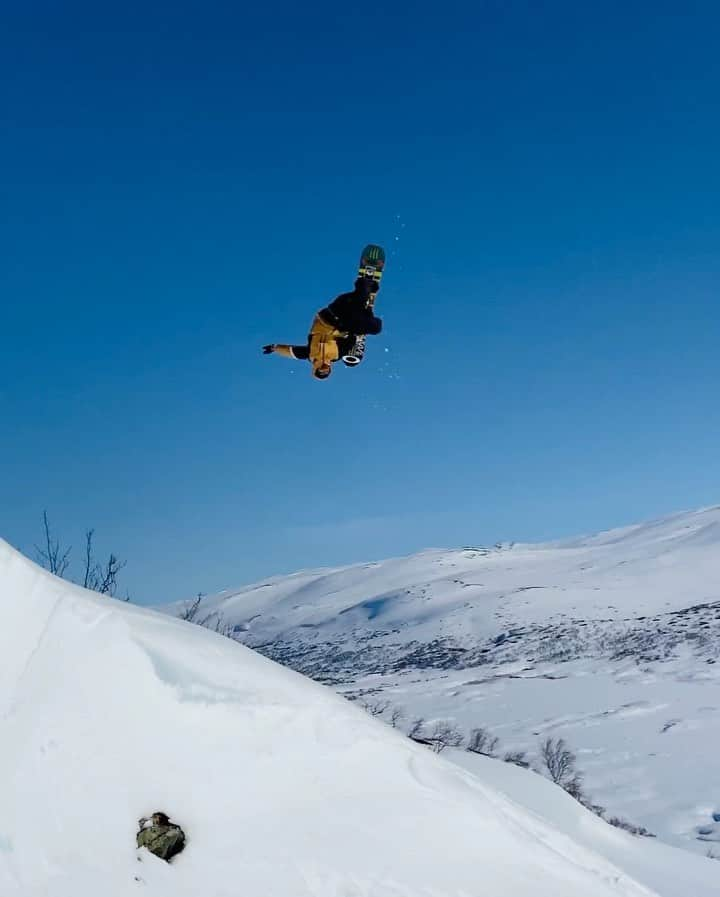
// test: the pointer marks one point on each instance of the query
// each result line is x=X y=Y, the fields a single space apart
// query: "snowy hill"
x=110 y=712
x=610 y=641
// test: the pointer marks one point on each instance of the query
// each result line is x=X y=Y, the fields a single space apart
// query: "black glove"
x=268 y=350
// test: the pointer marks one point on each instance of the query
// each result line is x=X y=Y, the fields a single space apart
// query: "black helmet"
x=322 y=372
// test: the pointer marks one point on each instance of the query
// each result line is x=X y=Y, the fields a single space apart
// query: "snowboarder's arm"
x=373 y=325
x=299 y=352
x=364 y=323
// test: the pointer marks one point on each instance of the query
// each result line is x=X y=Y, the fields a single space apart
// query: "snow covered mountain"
x=610 y=641
x=110 y=712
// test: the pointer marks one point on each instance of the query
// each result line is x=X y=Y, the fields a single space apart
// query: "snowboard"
x=372 y=264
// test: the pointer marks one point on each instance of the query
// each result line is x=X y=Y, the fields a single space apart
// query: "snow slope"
x=649 y=861
x=610 y=641
x=110 y=712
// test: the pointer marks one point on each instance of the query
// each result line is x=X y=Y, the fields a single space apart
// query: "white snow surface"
x=611 y=642
x=110 y=712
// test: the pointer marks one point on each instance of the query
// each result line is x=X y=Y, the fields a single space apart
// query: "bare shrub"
x=559 y=760
x=445 y=734
x=574 y=788
x=375 y=708
x=482 y=742
x=97 y=577
x=517 y=758
x=190 y=611
x=100 y=578
x=417 y=728
x=640 y=830
x=418 y=733
x=216 y=622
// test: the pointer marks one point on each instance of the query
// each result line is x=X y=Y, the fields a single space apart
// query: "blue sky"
x=181 y=184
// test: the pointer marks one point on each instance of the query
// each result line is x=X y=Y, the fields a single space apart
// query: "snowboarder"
x=335 y=329
x=160 y=836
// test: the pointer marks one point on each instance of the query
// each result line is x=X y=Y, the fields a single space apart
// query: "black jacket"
x=349 y=313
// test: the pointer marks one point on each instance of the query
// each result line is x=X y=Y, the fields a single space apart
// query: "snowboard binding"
x=355 y=356
x=372 y=262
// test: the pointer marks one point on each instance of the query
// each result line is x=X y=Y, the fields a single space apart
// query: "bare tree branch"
x=52 y=556
x=107 y=576
x=88 y=558
x=191 y=610
x=99 y=578
x=417 y=729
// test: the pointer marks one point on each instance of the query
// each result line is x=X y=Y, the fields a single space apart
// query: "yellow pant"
x=324 y=349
